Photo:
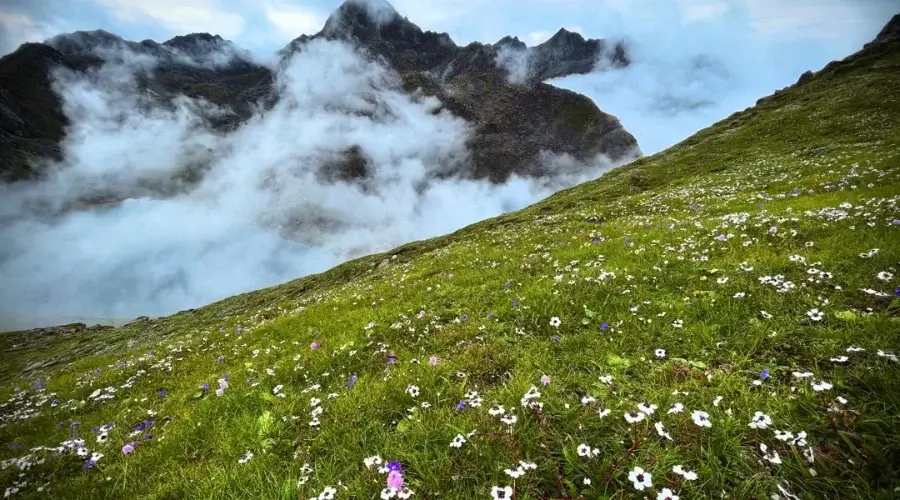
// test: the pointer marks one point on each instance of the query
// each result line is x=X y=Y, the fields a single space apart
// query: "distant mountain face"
x=496 y=88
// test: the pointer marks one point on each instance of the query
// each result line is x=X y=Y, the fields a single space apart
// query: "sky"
x=694 y=63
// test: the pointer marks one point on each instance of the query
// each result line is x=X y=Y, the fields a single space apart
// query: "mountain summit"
x=517 y=119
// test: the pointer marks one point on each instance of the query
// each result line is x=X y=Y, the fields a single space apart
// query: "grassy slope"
x=671 y=207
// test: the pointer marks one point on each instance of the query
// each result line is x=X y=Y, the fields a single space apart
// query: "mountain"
x=515 y=122
x=717 y=320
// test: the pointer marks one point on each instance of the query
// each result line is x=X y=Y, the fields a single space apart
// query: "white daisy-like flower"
x=677 y=323
x=458 y=441
x=606 y=379
x=501 y=493
x=586 y=400
x=802 y=374
x=840 y=359
x=372 y=461
x=855 y=349
x=584 y=450
x=102 y=437
x=413 y=390
x=760 y=421
x=602 y=412
x=555 y=322
x=660 y=353
x=701 y=418
x=765 y=314
x=647 y=408
x=661 y=430
x=771 y=457
x=632 y=418
x=815 y=314
x=246 y=458
x=497 y=410
x=388 y=493
x=640 y=479
x=666 y=494
x=509 y=419
x=885 y=276
x=687 y=474
x=676 y=408
x=784 y=435
x=821 y=385
x=328 y=493
x=515 y=473
x=722 y=280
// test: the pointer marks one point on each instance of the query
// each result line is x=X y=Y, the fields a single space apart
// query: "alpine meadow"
x=718 y=320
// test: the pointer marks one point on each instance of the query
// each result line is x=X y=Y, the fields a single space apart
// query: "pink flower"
x=432 y=360
x=315 y=345
x=545 y=379
x=395 y=480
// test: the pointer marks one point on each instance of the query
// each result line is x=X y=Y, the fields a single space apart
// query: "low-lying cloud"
x=261 y=214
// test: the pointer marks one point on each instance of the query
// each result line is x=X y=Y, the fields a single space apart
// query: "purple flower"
x=54 y=403
x=163 y=394
x=464 y=317
x=721 y=237
x=897 y=291
x=462 y=404
x=90 y=464
x=395 y=480
x=490 y=315
x=220 y=359
x=352 y=382
x=555 y=339
x=545 y=379
x=394 y=465
x=765 y=374
x=15 y=446
x=896 y=222
x=315 y=345
x=515 y=303
x=507 y=284
x=204 y=387
x=392 y=358
x=128 y=449
x=148 y=436
x=604 y=325
x=773 y=229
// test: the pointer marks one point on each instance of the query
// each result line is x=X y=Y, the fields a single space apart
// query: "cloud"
x=179 y=16
x=264 y=212
x=293 y=20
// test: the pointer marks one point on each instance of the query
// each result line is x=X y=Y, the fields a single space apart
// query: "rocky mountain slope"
x=514 y=122
x=717 y=320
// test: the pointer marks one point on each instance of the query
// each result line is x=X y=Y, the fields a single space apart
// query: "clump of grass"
x=720 y=318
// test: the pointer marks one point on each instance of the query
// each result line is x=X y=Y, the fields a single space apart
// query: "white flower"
x=760 y=421
x=677 y=323
x=497 y=410
x=509 y=419
x=666 y=494
x=821 y=385
x=660 y=353
x=632 y=418
x=584 y=450
x=640 y=479
x=458 y=441
x=765 y=314
x=676 y=408
x=885 y=276
x=647 y=408
x=555 y=322
x=784 y=435
x=771 y=457
x=661 y=430
x=802 y=374
x=498 y=493
x=328 y=493
x=687 y=474
x=413 y=390
x=840 y=359
x=815 y=314
x=586 y=400
x=246 y=458
x=515 y=473
x=388 y=493
x=606 y=379
x=602 y=412
x=372 y=461
x=701 y=418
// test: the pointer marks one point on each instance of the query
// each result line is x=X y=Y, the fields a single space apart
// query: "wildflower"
x=660 y=353
x=555 y=339
x=372 y=461
x=327 y=494
x=315 y=345
x=413 y=390
x=885 y=276
x=432 y=360
x=815 y=314
x=458 y=441
x=246 y=458
x=701 y=418
x=496 y=410
x=760 y=421
x=765 y=314
x=606 y=379
x=461 y=404
x=677 y=323
x=545 y=380
x=395 y=480
x=128 y=449
x=586 y=400
x=666 y=494
x=661 y=430
x=821 y=385
x=676 y=408
x=604 y=326
x=352 y=382
x=515 y=473
x=392 y=358
x=647 y=408
x=504 y=493
x=681 y=471
x=632 y=418
x=640 y=479
x=555 y=322
x=764 y=374
x=163 y=394
x=602 y=412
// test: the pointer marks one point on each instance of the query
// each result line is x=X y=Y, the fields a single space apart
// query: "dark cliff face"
x=513 y=123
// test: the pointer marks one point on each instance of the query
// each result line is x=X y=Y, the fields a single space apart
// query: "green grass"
x=619 y=261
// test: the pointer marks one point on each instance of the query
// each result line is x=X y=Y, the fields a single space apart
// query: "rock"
x=805 y=77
